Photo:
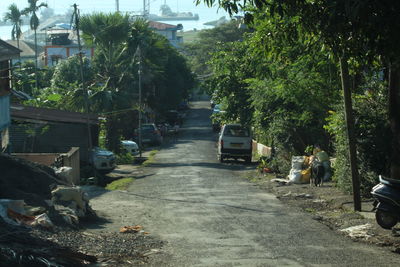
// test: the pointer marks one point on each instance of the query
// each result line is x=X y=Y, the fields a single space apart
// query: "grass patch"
x=150 y=159
x=120 y=184
x=189 y=36
x=311 y=210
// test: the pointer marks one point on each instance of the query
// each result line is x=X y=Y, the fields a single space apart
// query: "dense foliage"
x=286 y=77
x=111 y=76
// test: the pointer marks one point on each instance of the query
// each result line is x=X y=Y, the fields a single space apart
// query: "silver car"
x=130 y=147
x=103 y=160
x=235 y=142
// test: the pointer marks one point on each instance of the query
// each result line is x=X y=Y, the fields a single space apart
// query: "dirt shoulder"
x=330 y=206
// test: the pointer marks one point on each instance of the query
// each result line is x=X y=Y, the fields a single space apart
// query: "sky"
x=88 y=6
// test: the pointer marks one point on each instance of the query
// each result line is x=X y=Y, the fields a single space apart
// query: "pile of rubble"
x=33 y=196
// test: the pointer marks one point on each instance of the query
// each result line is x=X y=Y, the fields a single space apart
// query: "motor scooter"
x=387 y=202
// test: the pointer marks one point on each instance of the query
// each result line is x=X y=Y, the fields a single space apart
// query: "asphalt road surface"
x=208 y=214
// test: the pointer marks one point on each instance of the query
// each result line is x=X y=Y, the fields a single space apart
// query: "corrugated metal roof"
x=8 y=51
x=44 y=114
x=162 y=26
x=27 y=49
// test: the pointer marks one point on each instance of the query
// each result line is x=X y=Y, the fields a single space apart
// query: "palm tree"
x=14 y=15
x=34 y=23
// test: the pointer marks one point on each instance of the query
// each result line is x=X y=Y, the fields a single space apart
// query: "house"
x=61 y=43
x=43 y=130
x=27 y=50
x=7 y=53
x=168 y=31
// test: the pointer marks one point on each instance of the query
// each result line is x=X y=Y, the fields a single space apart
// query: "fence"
x=72 y=159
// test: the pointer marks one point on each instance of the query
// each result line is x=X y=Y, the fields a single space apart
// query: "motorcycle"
x=387 y=202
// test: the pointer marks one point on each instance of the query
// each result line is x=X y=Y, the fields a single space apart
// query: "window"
x=236 y=131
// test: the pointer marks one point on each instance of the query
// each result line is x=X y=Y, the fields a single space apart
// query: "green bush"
x=372 y=133
x=124 y=158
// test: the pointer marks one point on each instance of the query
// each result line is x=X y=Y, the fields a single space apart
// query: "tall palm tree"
x=14 y=15
x=34 y=23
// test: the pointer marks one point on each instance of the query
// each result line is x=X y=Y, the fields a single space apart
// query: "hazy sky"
x=88 y=6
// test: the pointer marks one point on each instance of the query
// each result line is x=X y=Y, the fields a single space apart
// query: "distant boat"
x=167 y=14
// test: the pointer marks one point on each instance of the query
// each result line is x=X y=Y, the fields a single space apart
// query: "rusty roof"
x=8 y=51
x=162 y=26
x=20 y=112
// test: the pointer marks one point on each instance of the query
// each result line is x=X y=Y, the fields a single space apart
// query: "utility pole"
x=350 y=132
x=139 y=52
x=84 y=89
x=146 y=8
x=117 y=5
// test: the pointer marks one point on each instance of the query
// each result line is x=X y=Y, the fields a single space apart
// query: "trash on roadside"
x=43 y=220
x=297 y=166
x=71 y=203
x=288 y=194
x=358 y=231
x=65 y=174
x=16 y=212
x=303 y=195
x=7 y=204
x=20 y=218
x=130 y=229
x=281 y=181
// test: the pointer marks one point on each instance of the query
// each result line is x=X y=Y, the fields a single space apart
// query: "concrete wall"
x=72 y=159
x=42 y=158
x=261 y=149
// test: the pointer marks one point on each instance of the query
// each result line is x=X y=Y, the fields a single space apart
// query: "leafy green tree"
x=67 y=72
x=24 y=78
x=34 y=23
x=208 y=42
x=165 y=77
x=353 y=30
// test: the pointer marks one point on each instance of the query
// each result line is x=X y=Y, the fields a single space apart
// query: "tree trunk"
x=344 y=71
x=113 y=135
x=36 y=65
x=19 y=54
x=394 y=118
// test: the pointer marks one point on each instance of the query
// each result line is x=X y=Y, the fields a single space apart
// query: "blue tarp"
x=4 y=112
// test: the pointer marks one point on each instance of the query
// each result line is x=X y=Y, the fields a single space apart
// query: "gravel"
x=111 y=249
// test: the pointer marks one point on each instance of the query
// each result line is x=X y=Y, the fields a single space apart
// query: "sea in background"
x=205 y=13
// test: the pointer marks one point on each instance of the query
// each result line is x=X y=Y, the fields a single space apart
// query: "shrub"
x=124 y=158
x=372 y=133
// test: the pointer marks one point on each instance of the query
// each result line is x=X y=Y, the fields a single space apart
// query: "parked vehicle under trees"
x=355 y=32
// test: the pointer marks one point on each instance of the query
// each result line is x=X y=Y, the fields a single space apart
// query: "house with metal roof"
x=44 y=130
x=7 y=53
x=168 y=31
x=27 y=50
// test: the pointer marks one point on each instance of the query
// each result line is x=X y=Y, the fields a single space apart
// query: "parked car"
x=103 y=160
x=150 y=134
x=130 y=147
x=174 y=117
x=235 y=142
x=216 y=109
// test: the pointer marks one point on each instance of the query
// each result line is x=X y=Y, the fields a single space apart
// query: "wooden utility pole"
x=139 y=53
x=117 y=5
x=350 y=132
x=84 y=89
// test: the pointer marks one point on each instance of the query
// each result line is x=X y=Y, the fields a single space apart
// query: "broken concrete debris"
x=358 y=231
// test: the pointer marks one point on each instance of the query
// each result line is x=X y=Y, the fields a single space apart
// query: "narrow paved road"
x=209 y=215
